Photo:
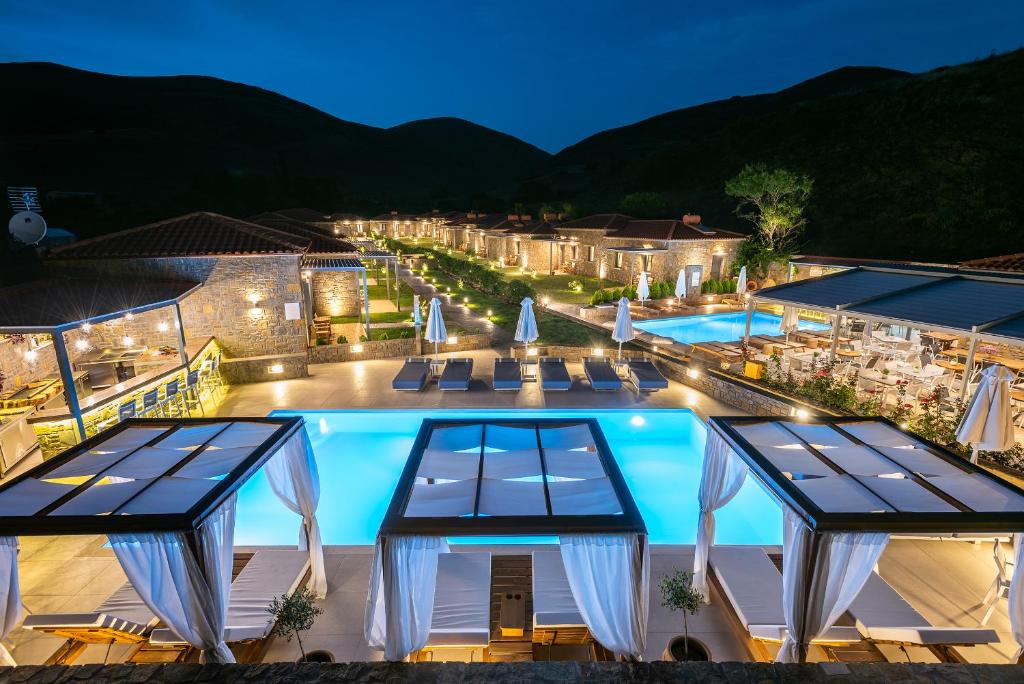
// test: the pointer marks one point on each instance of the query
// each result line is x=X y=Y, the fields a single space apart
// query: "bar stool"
x=126 y=410
x=172 y=405
x=191 y=393
x=150 y=401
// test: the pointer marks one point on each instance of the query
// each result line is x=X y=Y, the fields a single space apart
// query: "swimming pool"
x=723 y=327
x=361 y=454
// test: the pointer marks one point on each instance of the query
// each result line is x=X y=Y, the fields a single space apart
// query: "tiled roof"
x=346 y=217
x=1006 y=262
x=319 y=242
x=533 y=229
x=670 y=229
x=393 y=217
x=304 y=214
x=598 y=222
x=49 y=303
x=197 y=234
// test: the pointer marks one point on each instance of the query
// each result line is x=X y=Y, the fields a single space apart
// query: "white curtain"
x=293 y=476
x=10 y=595
x=836 y=566
x=400 y=604
x=610 y=576
x=1015 y=597
x=165 y=572
x=721 y=477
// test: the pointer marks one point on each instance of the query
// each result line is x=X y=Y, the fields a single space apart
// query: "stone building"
x=252 y=297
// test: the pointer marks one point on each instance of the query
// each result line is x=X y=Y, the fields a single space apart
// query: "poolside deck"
x=942 y=579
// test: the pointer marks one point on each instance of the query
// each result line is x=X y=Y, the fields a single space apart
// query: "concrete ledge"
x=560 y=672
x=238 y=371
x=387 y=349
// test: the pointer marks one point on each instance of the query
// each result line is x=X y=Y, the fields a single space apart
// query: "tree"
x=294 y=613
x=648 y=205
x=774 y=201
x=677 y=593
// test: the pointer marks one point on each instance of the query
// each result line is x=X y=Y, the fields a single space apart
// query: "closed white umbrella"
x=681 y=284
x=623 y=331
x=643 y=290
x=435 y=324
x=526 y=328
x=741 y=282
x=790 y=321
x=988 y=423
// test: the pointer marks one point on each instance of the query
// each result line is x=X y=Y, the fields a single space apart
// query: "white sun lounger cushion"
x=123 y=611
x=462 y=600
x=553 y=603
x=269 y=573
x=883 y=615
x=753 y=585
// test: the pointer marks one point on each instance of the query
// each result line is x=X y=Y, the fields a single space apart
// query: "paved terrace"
x=944 y=580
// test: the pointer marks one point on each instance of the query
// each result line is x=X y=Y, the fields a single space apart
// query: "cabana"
x=846 y=485
x=164 y=493
x=511 y=477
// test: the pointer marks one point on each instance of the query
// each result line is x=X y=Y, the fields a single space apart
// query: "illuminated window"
x=618 y=260
x=575 y=252
x=648 y=260
x=590 y=252
x=519 y=248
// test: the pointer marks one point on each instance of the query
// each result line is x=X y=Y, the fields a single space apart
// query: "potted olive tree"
x=677 y=593
x=295 y=613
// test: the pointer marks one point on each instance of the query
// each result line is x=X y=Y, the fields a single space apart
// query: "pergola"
x=343 y=265
x=846 y=485
x=547 y=477
x=974 y=305
x=164 y=493
x=54 y=307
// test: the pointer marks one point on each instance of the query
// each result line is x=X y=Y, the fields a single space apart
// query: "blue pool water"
x=361 y=454
x=722 y=327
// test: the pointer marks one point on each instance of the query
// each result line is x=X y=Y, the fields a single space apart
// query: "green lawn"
x=379 y=317
x=557 y=286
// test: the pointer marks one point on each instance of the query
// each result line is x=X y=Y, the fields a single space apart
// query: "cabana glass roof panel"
x=142 y=475
x=511 y=477
x=845 y=287
x=869 y=475
x=952 y=303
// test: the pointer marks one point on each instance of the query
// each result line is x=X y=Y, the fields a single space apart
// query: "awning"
x=332 y=264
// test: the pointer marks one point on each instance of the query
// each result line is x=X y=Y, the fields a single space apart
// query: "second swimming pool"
x=361 y=454
x=721 y=327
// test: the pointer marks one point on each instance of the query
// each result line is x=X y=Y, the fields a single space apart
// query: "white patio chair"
x=1000 y=585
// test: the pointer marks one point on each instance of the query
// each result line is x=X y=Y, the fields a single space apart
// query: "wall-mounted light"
x=253 y=297
x=127 y=340
x=81 y=345
x=357 y=348
x=598 y=351
x=692 y=373
x=129 y=316
x=276 y=369
x=31 y=355
x=86 y=327
x=162 y=326
x=802 y=414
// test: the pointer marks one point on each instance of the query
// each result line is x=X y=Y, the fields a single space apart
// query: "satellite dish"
x=28 y=227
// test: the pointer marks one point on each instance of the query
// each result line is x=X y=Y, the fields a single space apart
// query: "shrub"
x=342 y=339
x=618 y=294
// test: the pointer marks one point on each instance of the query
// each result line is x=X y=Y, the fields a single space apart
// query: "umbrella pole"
x=620 y=351
x=974 y=454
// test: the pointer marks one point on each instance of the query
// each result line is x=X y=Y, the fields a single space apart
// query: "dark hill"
x=153 y=147
x=922 y=166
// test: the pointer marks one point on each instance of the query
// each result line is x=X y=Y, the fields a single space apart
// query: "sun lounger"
x=601 y=374
x=884 y=616
x=508 y=375
x=645 y=376
x=122 y=619
x=462 y=603
x=556 y=619
x=269 y=573
x=456 y=376
x=413 y=376
x=752 y=585
x=553 y=374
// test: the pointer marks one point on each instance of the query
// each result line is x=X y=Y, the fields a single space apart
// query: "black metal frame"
x=41 y=523
x=896 y=522
x=395 y=521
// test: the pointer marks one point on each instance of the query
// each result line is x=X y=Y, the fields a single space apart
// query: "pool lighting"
x=357 y=348
x=692 y=373
x=276 y=369
x=637 y=421
x=323 y=426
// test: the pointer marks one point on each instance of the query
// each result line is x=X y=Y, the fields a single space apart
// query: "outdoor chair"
x=885 y=617
x=269 y=573
x=645 y=376
x=172 y=404
x=508 y=375
x=121 y=619
x=752 y=585
x=553 y=374
x=191 y=394
x=461 y=622
x=150 y=401
x=457 y=375
x=413 y=376
x=601 y=374
x=556 y=618
x=126 y=410
x=1001 y=584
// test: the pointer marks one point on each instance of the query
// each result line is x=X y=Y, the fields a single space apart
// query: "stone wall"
x=224 y=306
x=560 y=672
x=238 y=371
x=389 y=349
x=572 y=354
x=335 y=293
x=19 y=369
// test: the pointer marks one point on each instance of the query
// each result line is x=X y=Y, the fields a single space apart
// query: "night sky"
x=551 y=73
